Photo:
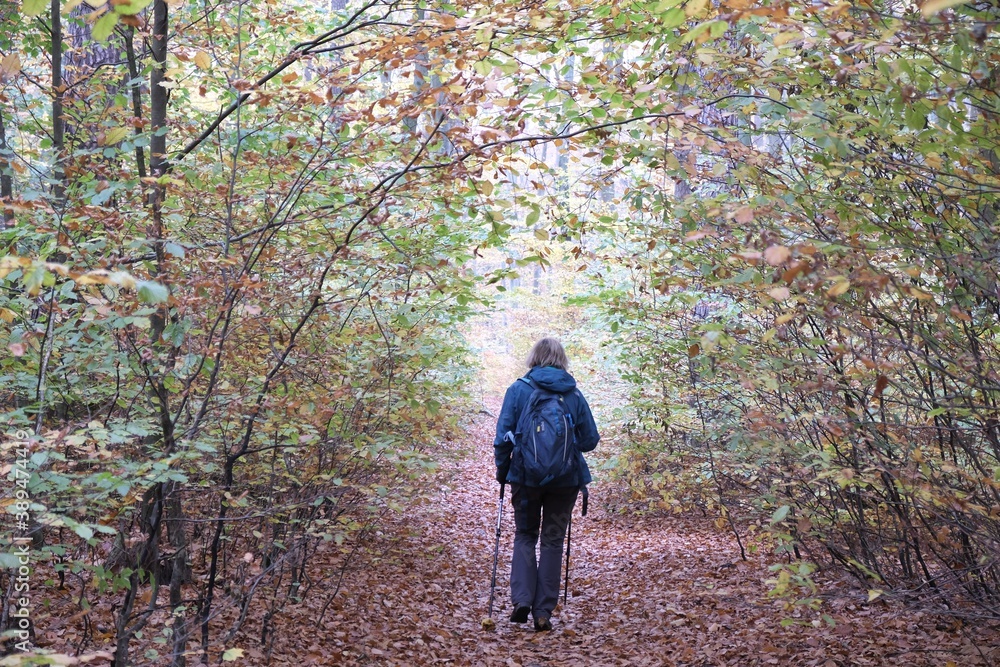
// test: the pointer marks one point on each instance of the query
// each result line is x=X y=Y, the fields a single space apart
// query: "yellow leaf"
x=749 y=255
x=10 y=263
x=232 y=654
x=33 y=7
x=918 y=293
x=202 y=60
x=744 y=215
x=95 y=277
x=783 y=38
x=874 y=593
x=114 y=135
x=932 y=7
x=839 y=288
x=779 y=293
x=7 y=315
x=486 y=187
x=61 y=269
x=123 y=279
x=695 y=7
x=10 y=64
x=543 y=22
x=785 y=319
x=776 y=255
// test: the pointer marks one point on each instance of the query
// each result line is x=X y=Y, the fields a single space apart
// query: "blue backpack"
x=544 y=439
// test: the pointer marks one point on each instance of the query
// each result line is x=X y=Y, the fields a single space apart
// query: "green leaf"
x=9 y=561
x=152 y=292
x=715 y=28
x=916 y=117
x=673 y=18
x=105 y=26
x=532 y=215
x=83 y=530
x=34 y=7
x=133 y=7
x=780 y=514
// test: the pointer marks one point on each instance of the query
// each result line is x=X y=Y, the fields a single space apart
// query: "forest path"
x=643 y=591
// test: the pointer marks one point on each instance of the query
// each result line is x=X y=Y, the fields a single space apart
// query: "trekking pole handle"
x=586 y=496
x=503 y=487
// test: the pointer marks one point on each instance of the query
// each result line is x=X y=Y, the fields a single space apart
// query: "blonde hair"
x=548 y=352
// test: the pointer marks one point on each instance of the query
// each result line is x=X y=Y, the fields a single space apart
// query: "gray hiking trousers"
x=545 y=512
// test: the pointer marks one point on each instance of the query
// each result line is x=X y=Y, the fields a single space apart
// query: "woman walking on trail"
x=545 y=468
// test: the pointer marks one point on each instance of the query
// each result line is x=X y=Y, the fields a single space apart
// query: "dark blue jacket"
x=585 y=431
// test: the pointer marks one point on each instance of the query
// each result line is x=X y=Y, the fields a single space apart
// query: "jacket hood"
x=552 y=379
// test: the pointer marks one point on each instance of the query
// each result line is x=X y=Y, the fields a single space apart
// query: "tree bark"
x=6 y=178
x=158 y=166
x=133 y=75
x=58 y=122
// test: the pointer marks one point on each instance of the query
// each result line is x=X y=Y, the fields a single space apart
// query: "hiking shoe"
x=520 y=614
x=543 y=624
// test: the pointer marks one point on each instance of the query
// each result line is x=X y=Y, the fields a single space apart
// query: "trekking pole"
x=569 y=540
x=496 y=551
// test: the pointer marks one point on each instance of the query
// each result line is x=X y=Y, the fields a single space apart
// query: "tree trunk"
x=58 y=122
x=6 y=179
x=133 y=75
x=158 y=166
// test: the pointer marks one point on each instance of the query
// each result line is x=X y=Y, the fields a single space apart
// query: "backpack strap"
x=526 y=380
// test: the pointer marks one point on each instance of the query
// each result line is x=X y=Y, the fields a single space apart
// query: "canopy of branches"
x=241 y=241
